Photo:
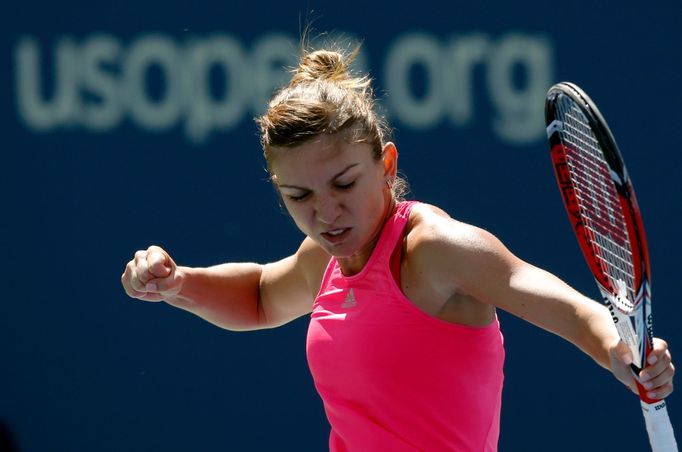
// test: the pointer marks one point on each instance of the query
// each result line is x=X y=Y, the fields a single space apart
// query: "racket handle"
x=661 y=434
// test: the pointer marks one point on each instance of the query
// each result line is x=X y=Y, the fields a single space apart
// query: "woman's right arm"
x=235 y=296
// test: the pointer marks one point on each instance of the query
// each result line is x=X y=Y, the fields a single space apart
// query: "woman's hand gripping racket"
x=603 y=211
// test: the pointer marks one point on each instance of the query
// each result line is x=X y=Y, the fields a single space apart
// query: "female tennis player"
x=404 y=343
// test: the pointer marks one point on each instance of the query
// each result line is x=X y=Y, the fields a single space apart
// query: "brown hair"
x=325 y=98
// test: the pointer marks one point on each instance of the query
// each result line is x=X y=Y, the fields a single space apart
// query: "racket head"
x=603 y=210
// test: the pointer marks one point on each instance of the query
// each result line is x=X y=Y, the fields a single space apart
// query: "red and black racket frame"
x=628 y=203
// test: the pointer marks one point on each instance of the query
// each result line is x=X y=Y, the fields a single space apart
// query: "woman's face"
x=337 y=194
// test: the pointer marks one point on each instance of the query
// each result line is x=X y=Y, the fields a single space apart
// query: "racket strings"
x=596 y=196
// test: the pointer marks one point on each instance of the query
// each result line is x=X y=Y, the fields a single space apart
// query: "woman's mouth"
x=335 y=236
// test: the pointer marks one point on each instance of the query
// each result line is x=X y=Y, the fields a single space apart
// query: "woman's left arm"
x=545 y=300
x=476 y=263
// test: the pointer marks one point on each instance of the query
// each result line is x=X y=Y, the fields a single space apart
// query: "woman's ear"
x=390 y=159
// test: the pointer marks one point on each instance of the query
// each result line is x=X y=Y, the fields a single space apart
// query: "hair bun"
x=322 y=65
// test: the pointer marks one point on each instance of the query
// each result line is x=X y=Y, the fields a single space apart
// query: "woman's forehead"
x=319 y=154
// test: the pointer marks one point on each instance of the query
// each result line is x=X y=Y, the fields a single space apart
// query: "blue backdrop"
x=130 y=124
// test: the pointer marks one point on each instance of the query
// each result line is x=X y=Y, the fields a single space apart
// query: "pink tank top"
x=392 y=377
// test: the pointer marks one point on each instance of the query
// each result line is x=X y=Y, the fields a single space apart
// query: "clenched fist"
x=152 y=275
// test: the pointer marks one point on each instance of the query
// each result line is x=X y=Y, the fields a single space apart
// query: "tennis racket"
x=603 y=211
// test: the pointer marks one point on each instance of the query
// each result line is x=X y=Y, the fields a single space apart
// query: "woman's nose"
x=328 y=210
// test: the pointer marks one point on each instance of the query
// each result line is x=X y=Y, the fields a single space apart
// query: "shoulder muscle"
x=288 y=286
x=455 y=256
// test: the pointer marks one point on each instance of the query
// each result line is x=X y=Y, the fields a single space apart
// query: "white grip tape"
x=661 y=434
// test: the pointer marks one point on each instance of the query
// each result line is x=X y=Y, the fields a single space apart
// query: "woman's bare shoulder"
x=312 y=260
x=431 y=225
x=449 y=251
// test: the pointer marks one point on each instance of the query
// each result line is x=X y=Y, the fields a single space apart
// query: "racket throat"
x=626 y=329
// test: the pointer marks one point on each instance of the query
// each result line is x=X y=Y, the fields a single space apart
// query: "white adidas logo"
x=350 y=301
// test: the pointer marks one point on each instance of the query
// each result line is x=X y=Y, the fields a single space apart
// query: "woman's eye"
x=345 y=186
x=298 y=197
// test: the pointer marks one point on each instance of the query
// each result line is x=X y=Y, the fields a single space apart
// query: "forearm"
x=555 y=306
x=226 y=295
x=600 y=333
